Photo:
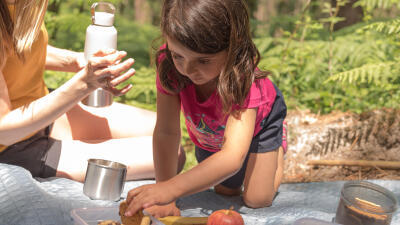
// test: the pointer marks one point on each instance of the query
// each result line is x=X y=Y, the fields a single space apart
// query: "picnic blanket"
x=28 y=201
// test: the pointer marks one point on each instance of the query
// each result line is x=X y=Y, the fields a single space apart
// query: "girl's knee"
x=258 y=201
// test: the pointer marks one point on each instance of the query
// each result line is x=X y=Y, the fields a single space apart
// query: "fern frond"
x=389 y=27
x=369 y=73
x=381 y=4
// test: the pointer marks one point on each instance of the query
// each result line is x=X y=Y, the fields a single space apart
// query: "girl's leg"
x=231 y=186
x=263 y=178
x=223 y=190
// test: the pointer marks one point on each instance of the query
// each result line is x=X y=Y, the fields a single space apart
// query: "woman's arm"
x=64 y=60
x=16 y=124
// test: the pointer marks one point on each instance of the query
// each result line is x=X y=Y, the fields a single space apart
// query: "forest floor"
x=371 y=136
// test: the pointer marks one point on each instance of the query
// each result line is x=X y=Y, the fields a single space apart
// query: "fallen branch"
x=362 y=163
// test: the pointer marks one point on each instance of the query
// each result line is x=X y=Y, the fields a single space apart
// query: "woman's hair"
x=211 y=26
x=17 y=34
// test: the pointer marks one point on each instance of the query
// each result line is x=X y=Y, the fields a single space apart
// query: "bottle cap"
x=104 y=16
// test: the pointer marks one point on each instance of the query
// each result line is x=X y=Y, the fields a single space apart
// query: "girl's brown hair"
x=211 y=26
x=18 y=34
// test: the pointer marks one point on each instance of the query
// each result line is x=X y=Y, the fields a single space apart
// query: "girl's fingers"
x=131 y=194
x=138 y=204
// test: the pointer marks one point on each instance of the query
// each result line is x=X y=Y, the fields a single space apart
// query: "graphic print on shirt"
x=205 y=135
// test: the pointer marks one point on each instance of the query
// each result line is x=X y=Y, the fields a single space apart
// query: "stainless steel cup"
x=104 y=179
x=98 y=98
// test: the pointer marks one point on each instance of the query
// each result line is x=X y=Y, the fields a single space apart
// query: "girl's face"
x=199 y=68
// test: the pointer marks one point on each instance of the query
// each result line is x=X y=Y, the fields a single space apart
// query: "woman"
x=51 y=134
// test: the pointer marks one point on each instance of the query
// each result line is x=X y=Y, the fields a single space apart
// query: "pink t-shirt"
x=205 y=121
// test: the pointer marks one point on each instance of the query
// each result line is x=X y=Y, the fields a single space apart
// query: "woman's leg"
x=263 y=178
x=135 y=153
x=119 y=133
x=116 y=121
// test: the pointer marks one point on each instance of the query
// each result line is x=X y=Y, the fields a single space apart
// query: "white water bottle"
x=101 y=34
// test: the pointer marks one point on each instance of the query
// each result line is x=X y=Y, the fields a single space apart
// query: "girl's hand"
x=104 y=70
x=164 y=210
x=149 y=195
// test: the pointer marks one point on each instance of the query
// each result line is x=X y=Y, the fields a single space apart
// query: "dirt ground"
x=371 y=136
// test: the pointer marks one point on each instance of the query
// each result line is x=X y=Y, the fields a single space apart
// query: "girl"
x=51 y=134
x=233 y=113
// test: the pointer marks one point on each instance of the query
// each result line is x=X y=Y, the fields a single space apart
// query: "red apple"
x=225 y=217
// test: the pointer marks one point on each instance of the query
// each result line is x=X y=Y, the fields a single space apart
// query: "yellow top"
x=24 y=79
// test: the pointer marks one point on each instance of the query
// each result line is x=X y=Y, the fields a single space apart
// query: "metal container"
x=365 y=203
x=104 y=180
x=98 y=98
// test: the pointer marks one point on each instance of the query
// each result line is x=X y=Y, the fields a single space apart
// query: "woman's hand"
x=104 y=70
x=79 y=62
x=164 y=210
x=150 y=195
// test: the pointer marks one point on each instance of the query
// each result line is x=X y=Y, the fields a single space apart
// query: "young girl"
x=233 y=113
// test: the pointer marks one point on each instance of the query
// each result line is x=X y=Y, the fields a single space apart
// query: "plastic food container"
x=365 y=203
x=312 y=221
x=91 y=216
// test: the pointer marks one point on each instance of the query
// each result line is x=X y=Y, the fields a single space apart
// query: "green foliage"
x=389 y=28
x=353 y=69
x=55 y=79
x=378 y=74
x=143 y=93
x=67 y=29
x=370 y=5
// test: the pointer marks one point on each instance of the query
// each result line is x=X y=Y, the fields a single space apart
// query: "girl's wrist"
x=175 y=188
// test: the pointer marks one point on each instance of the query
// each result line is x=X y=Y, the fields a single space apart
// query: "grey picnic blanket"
x=28 y=201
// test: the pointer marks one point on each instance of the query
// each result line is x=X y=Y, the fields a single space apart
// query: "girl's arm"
x=166 y=143
x=64 y=60
x=213 y=170
x=223 y=164
x=16 y=124
x=166 y=137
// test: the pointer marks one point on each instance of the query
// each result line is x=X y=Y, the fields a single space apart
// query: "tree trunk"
x=351 y=14
x=143 y=12
x=265 y=10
